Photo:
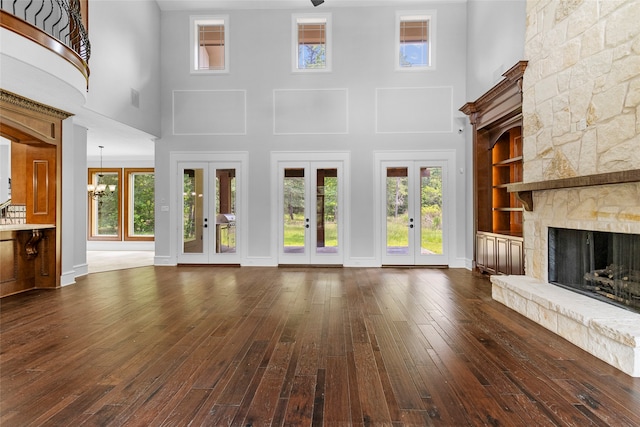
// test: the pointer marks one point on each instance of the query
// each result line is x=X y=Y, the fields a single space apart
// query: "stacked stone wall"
x=581 y=91
x=581 y=116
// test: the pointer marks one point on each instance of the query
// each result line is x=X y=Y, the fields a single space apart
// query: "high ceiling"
x=129 y=143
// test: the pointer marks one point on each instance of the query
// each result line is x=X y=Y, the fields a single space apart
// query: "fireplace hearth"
x=601 y=265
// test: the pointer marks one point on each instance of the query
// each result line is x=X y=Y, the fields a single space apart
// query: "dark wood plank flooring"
x=214 y=346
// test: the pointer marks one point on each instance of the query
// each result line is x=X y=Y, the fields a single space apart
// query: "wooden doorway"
x=31 y=248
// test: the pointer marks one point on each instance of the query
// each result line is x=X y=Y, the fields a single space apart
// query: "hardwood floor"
x=211 y=346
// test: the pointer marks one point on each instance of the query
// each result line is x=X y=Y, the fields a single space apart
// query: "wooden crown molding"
x=31 y=105
x=30 y=122
x=506 y=94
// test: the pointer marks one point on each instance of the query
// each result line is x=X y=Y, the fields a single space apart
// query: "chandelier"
x=100 y=189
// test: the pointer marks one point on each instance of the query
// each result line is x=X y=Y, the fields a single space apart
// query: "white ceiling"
x=119 y=141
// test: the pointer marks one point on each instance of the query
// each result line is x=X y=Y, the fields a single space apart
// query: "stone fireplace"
x=581 y=160
x=609 y=332
x=598 y=264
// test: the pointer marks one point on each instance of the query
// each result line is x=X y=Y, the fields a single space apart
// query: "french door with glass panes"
x=209 y=210
x=413 y=212
x=310 y=213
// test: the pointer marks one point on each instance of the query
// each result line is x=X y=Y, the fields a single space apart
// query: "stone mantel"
x=524 y=190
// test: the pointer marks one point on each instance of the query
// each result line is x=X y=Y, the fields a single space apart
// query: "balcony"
x=45 y=50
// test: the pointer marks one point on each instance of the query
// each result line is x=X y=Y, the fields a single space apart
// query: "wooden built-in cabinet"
x=31 y=251
x=499 y=253
x=497 y=152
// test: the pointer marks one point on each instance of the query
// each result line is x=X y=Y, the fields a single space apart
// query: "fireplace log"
x=623 y=286
x=615 y=297
x=599 y=280
x=612 y=271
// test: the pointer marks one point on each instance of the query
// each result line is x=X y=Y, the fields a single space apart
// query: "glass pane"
x=431 y=210
x=293 y=211
x=225 y=211
x=414 y=43
x=141 y=216
x=311 y=45
x=192 y=211
x=397 y=211
x=326 y=211
x=211 y=47
x=106 y=208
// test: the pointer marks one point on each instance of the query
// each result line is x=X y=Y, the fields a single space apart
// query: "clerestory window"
x=209 y=44
x=311 y=42
x=415 y=44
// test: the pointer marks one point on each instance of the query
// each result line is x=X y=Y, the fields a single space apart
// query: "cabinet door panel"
x=481 y=251
x=502 y=255
x=491 y=254
x=516 y=257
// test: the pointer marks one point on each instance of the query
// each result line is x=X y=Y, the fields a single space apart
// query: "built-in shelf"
x=497 y=162
x=508 y=209
x=524 y=190
x=507 y=162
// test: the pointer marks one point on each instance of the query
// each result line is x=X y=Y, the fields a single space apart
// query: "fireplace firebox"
x=602 y=265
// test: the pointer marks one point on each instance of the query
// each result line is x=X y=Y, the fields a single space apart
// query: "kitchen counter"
x=27 y=227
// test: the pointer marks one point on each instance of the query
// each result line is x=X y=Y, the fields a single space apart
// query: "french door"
x=209 y=210
x=310 y=213
x=414 y=205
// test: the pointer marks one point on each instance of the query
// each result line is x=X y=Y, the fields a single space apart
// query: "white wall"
x=125 y=55
x=80 y=225
x=495 y=42
x=5 y=169
x=363 y=61
x=74 y=202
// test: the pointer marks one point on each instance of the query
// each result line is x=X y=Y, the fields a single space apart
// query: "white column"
x=74 y=202
x=5 y=169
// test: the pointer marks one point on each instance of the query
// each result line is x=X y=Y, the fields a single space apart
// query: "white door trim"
x=174 y=204
x=446 y=157
x=278 y=157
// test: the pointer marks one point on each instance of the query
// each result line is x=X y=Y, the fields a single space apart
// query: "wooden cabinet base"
x=499 y=254
x=27 y=260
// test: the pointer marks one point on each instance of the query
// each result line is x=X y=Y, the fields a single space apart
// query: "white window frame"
x=310 y=18
x=405 y=15
x=195 y=23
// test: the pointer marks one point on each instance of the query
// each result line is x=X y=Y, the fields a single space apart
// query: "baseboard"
x=164 y=261
x=259 y=262
x=81 y=269
x=68 y=278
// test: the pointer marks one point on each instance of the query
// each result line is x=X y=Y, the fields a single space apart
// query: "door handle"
x=411 y=222
x=307 y=223
x=205 y=223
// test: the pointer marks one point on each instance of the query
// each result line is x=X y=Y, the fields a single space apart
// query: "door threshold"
x=311 y=265
x=208 y=265
x=414 y=266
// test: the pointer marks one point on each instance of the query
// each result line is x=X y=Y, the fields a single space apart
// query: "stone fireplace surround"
x=608 y=332
x=581 y=163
